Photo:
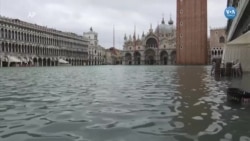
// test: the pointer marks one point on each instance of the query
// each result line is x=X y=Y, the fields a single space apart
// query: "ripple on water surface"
x=117 y=103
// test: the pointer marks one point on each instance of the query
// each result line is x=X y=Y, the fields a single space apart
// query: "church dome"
x=164 y=28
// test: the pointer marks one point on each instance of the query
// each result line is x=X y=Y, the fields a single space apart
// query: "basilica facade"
x=157 y=47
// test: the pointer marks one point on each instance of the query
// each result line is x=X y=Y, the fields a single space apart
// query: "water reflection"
x=195 y=114
x=118 y=103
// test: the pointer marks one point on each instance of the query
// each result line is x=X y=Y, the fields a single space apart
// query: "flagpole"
x=158 y=42
x=134 y=42
x=114 y=36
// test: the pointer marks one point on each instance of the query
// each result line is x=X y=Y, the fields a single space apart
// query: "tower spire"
x=151 y=29
x=114 y=36
x=163 y=22
x=134 y=36
x=170 y=22
x=142 y=34
x=125 y=37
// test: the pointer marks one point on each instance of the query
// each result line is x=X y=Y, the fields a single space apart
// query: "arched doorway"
x=40 y=62
x=44 y=62
x=164 y=58
x=35 y=61
x=149 y=57
x=128 y=59
x=53 y=62
x=49 y=62
x=173 y=57
x=137 y=58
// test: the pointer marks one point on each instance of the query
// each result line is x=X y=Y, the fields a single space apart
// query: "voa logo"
x=230 y=12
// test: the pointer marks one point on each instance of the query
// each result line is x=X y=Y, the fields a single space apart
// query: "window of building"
x=222 y=39
x=164 y=46
x=181 y=23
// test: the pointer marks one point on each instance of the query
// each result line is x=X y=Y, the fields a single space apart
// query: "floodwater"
x=118 y=103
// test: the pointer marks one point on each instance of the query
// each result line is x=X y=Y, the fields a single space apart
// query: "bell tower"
x=191 y=36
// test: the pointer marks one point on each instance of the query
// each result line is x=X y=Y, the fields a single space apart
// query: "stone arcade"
x=26 y=44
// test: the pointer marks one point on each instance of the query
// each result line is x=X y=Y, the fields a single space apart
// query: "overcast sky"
x=79 y=15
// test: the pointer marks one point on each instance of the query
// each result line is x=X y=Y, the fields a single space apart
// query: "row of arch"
x=150 y=58
x=40 y=62
x=37 y=50
x=96 y=62
x=41 y=39
x=217 y=52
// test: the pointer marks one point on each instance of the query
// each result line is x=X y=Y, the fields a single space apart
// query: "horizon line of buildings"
x=28 y=44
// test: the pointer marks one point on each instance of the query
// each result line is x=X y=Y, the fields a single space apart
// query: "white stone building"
x=27 y=44
x=217 y=43
x=154 y=48
x=96 y=53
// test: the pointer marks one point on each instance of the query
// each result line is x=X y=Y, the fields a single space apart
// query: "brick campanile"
x=191 y=36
